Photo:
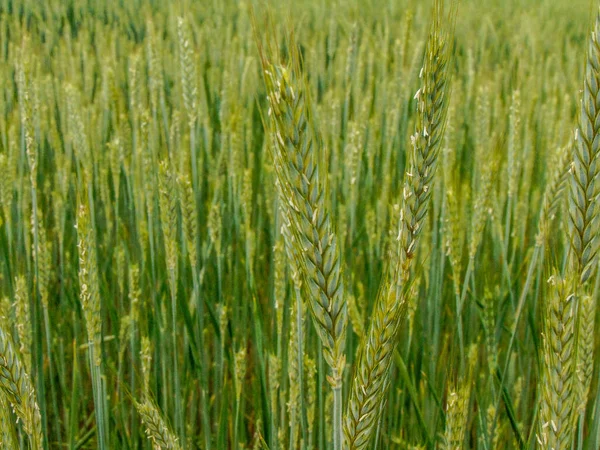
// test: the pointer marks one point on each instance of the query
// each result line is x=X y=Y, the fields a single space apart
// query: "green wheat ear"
x=558 y=374
x=371 y=378
x=584 y=187
x=297 y=151
x=18 y=389
x=156 y=428
x=8 y=438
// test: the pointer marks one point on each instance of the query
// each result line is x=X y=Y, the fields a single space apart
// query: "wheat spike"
x=7 y=432
x=457 y=407
x=558 y=390
x=585 y=348
x=553 y=194
x=189 y=217
x=23 y=321
x=168 y=214
x=296 y=151
x=188 y=71
x=156 y=428
x=584 y=188
x=18 y=388
x=372 y=373
x=456 y=418
x=89 y=294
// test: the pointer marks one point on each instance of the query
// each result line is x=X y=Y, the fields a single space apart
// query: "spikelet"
x=19 y=391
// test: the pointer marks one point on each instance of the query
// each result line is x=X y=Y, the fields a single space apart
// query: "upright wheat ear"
x=296 y=152
x=372 y=374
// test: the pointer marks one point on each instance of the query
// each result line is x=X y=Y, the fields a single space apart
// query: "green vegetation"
x=299 y=225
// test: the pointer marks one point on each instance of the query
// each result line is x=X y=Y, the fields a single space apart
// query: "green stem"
x=177 y=388
x=337 y=412
x=98 y=393
x=203 y=375
x=300 y=352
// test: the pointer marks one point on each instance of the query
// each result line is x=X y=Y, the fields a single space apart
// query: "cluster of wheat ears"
x=346 y=226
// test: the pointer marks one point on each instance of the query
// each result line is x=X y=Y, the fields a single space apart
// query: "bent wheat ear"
x=583 y=213
x=372 y=374
x=19 y=391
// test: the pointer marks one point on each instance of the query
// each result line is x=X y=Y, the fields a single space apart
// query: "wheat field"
x=341 y=225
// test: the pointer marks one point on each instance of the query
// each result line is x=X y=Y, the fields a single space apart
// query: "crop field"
x=334 y=225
